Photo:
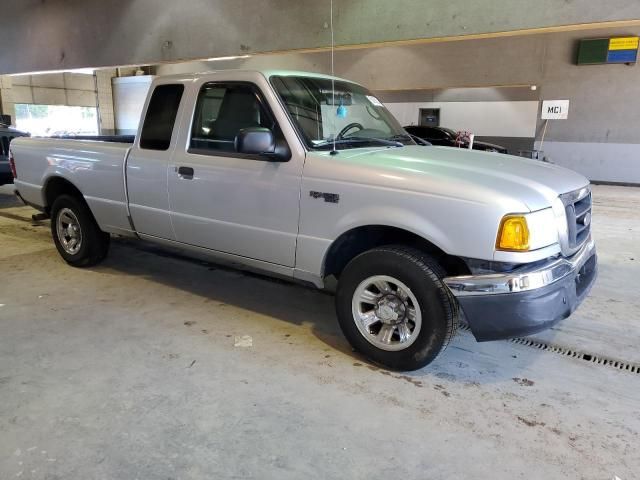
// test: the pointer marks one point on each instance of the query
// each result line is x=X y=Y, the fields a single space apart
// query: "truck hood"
x=466 y=174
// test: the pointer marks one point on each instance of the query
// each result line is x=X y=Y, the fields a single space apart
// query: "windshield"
x=350 y=114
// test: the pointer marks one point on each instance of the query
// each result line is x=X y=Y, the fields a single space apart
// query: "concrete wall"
x=106 y=115
x=477 y=94
x=39 y=35
x=72 y=89
x=600 y=139
x=6 y=100
x=67 y=88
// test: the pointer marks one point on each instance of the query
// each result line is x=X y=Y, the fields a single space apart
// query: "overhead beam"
x=46 y=35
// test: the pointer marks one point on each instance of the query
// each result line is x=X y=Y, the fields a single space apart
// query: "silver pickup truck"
x=310 y=178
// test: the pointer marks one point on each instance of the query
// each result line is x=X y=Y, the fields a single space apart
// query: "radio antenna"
x=333 y=82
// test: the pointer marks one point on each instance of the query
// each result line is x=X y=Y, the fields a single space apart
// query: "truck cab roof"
x=263 y=72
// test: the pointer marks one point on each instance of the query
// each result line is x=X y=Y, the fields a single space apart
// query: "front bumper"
x=528 y=299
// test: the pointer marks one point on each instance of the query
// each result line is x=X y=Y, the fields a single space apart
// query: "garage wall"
x=6 y=101
x=489 y=119
x=64 y=34
x=505 y=116
x=65 y=88
x=73 y=89
x=510 y=124
x=106 y=116
x=600 y=139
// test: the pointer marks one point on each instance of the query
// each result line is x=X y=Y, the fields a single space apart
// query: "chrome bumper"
x=522 y=279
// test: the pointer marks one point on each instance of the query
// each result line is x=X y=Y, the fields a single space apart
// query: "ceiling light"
x=235 y=57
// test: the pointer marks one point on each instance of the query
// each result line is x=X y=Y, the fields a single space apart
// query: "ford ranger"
x=310 y=178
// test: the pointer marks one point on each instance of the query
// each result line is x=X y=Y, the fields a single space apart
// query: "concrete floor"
x=130 y=371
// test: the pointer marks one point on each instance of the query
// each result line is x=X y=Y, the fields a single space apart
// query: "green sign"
x=608 y=50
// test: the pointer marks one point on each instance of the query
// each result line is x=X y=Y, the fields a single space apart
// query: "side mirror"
x=256 y=141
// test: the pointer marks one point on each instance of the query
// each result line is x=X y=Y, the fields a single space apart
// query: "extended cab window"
x=222 y=110
x=161 y=116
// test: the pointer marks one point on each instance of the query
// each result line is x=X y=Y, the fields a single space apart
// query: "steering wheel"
x=347 y=128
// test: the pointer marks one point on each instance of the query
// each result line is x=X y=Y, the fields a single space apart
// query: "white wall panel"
x=487 y=119
x=622 y=159
x=129 y=94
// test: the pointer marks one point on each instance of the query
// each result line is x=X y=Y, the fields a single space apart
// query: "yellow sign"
x=623 y=43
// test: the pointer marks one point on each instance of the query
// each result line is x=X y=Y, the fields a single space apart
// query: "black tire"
x=423 y=276
x=95 y=243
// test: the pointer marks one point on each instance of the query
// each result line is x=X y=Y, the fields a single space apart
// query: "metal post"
x=544 y=131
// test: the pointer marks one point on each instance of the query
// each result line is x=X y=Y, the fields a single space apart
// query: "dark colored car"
x=7 y=134
x=447 y=137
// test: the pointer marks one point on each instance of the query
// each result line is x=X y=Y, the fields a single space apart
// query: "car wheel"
x=76 y=234
x=393 y=307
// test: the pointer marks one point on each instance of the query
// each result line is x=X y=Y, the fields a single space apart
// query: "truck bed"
x=99 y=138
x=95 y=167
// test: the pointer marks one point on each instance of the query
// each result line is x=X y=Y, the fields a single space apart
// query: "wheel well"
x=354 y=242
x=57 y=186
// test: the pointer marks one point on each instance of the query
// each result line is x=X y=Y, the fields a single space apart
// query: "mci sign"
x=555 y=109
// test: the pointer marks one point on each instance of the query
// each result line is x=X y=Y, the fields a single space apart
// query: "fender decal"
x=328 y=197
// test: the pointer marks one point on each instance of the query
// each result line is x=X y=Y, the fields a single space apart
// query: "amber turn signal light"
x=513 y=234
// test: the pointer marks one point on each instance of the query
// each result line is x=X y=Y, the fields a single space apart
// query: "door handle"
x=186 y=172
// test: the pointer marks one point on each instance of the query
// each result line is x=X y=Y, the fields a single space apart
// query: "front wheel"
x=76 y=234
x=393 y=307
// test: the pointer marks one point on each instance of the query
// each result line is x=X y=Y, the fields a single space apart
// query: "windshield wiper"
x=409 y=136
x=420 y=141
x=346 y=141
x=399 y=137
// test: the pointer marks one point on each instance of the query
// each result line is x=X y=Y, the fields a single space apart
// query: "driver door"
x=234 y=203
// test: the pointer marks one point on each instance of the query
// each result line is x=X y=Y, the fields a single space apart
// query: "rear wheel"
x=393 y=307
x=76 y=234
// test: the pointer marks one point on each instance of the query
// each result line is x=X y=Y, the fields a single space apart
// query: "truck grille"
x=577 y=206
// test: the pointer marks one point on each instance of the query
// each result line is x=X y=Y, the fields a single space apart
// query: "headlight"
x=523 y=232
x=513 y=233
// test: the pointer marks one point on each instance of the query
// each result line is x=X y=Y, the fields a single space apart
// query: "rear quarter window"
x=161 y=117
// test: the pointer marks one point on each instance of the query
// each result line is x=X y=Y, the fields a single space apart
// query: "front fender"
x=389 y=216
